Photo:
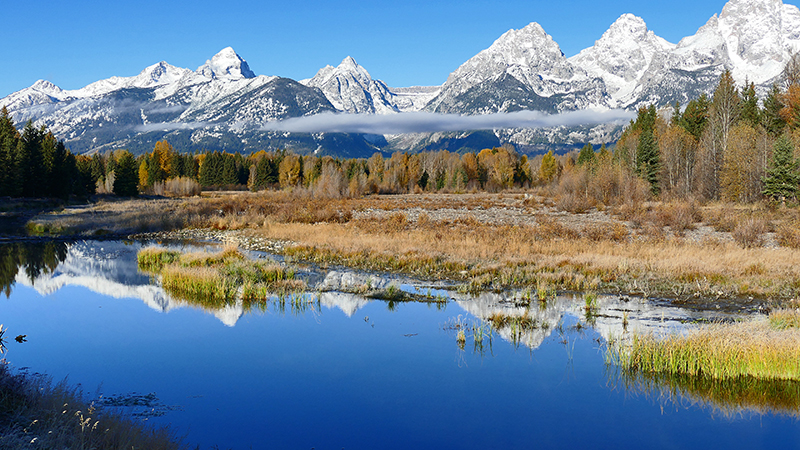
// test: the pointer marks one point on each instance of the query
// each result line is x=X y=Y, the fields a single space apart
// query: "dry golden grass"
x=37 y=414
x=568 y=251
x=674 y=267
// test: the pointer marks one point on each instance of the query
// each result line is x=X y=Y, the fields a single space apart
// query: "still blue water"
x=352 y=374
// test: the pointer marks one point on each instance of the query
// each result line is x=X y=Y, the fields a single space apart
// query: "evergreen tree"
x=587 y=157
x=210 y=169
x=86 y=184
x=783 y=175
x=750 y=112
x=647 y=159
x=771 y=117
x=126 y=175
x=694 y=118
x=229 y=175
x=676 y=114
x=63 y=174
x=30 y=165
x=9 y=138
x=647 y=153
x=97 y=170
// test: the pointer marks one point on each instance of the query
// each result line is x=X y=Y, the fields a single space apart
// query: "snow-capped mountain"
x=351 y=89
x=622 y=56
x=754 y=39
x=523 y=69
x=224 y=105
x=221 y=105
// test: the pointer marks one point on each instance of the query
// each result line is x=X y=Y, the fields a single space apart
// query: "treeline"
x=722 y=147
x=34 y=164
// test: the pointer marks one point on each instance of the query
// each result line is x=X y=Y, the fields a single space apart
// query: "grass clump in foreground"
x=761 y=349
x=37 y=414
x=215 y=280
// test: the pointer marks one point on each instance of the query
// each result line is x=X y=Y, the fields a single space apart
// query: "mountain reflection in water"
x=110 y=268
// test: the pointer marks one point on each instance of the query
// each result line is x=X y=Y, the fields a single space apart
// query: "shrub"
x=177 y=187
x=749 y=233
x=788 y=235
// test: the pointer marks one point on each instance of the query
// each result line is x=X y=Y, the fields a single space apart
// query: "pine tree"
x=210 y=169
x=695 y=117
x=783 y=175
x=126 y=175
x=647 y=159
x=30 y=166
x=587 y=157
x=771 y=117
x=750 y=112
x=9 y=138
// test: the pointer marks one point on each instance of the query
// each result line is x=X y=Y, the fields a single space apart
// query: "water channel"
x=347 y=371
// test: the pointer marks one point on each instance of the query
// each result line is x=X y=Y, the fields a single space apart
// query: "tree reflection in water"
x=35 y=259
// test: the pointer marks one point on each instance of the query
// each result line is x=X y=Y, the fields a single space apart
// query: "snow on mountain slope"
x=351 y=89
x=753 y=38
x=622 y=56
x=525 y=59
x=414 y=98
x=226 y=65
x=522 y=70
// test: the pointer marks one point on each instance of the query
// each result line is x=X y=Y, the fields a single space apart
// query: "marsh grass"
x=730 y=397
x=758 y=348
x=608 y=256
x=482 y=333
x=35 y=413
x=784 y=319
x=489 y=257
x=153 y=259
x=215 y=280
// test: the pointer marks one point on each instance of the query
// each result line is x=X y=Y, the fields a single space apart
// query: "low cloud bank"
x=415 y=122
x=423 y=122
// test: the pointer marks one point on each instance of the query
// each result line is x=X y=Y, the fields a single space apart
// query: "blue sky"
x=406 y=43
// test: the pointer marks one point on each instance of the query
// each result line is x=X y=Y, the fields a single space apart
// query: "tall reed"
x=754 y=348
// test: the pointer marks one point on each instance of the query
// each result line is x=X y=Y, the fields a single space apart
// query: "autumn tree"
x=724 y=113
x=678 y=151
x=740 y=179
x=549 y=168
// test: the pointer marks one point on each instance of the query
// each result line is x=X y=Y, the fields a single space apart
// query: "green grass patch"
x=153 y=259
x=754 y=348
x=214 y=280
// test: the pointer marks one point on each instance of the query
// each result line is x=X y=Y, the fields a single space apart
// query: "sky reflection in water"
x=351 y=373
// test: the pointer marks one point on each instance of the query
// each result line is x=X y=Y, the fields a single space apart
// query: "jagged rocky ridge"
x=223 y=105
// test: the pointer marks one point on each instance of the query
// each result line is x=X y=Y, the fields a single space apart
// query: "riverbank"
x=38 y=414
x=706 y=255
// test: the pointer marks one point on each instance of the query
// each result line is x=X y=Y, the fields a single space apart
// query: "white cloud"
x=423 y=122
x=415 y=122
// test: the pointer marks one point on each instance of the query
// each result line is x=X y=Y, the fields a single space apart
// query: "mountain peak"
x=349 y=65
x=628 y=24
x=226 y=64
x=46 y=87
